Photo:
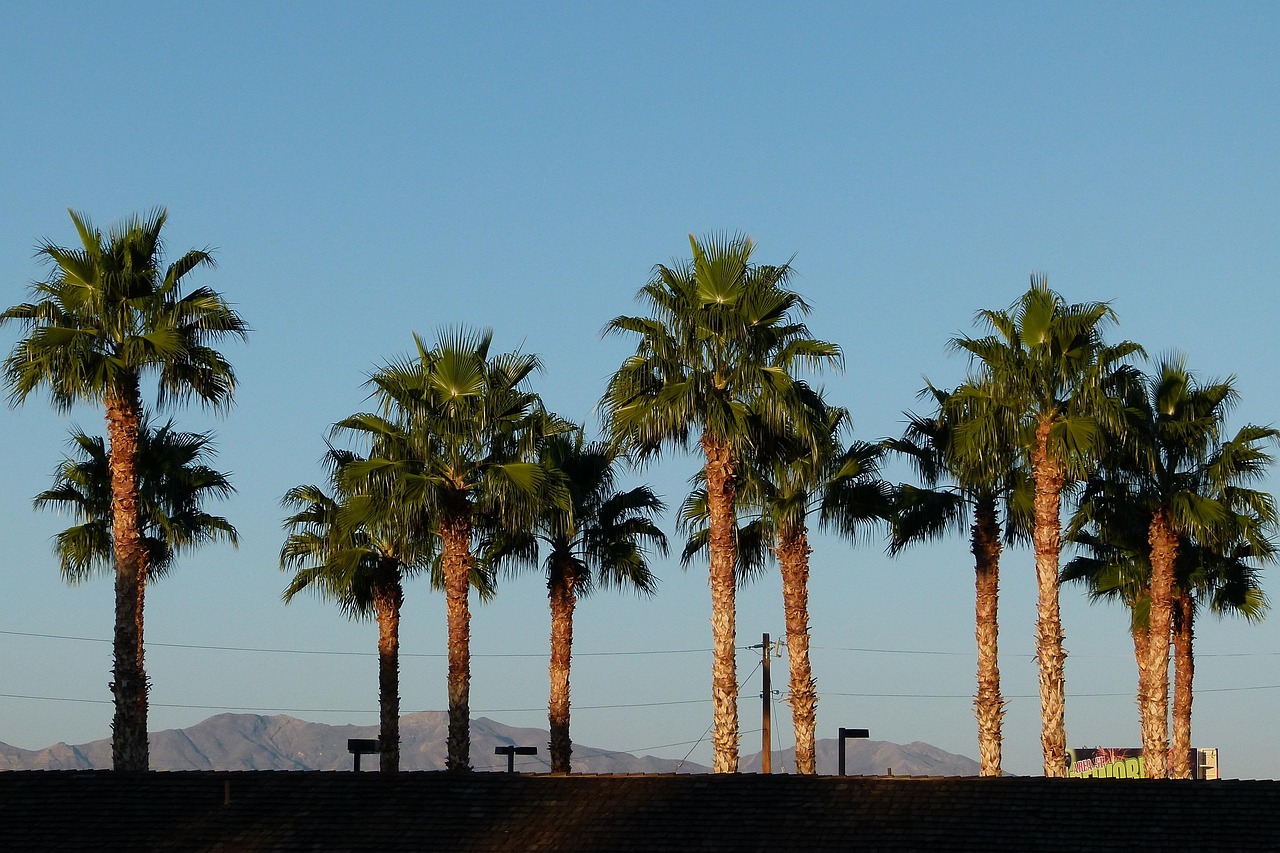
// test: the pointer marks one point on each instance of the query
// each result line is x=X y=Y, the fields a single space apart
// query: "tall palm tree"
x=1169 y=487
x=357 y=553
x=470 y=430
x=1047 y=365
x=779 y=487
x=981 y=480
x=715 y=357
x=110 y=315
x=174 y=483
x=602 y=539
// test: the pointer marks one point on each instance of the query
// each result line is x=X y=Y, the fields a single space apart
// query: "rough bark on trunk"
x=560 y=588
x=1155 y=716
x=988 y=705
x=793 y=561
x=129 y=749
x=1183 y=678
x=456 y=536
x=1050 y=478
x=724 y=674
x=1142 y=654
x=388 y=598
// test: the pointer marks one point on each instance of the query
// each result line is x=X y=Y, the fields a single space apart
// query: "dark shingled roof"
x=474 y=812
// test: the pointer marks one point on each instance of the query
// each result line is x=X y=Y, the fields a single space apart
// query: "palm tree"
x=779 y=487
x=470 y=432
x=983 y=478
x=1168 y=485
x=109 y=315
x=715 y=357
x=1047 y=365
x=602 y=539
x=357 y=552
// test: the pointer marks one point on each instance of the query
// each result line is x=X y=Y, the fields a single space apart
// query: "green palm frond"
x=174 y=483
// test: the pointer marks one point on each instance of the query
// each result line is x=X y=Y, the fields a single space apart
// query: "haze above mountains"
x=254 y=742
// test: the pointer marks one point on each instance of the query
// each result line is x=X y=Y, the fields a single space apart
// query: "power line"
x=635 y=653
x=343 y=710
x=153 y=644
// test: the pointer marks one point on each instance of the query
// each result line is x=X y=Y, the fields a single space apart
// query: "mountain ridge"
x=233 y=741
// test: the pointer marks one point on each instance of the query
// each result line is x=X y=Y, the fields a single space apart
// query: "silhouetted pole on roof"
x=511 y=751
x=359 y=746
x=845 y=734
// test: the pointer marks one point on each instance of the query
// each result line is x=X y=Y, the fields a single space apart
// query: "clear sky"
x=367 y=171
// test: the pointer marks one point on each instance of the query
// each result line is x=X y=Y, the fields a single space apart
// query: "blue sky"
x=365 y=172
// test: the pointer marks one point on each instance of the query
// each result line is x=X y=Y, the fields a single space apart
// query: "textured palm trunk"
x=1142 y=654
x=1050 y=478
x=724 y=674
x=129 y=680
x=988 y=705
x=793 y=561
x=1183 y=676
x=456 y=536
x=1155 y=712
x=560 y=588
x=388 y=598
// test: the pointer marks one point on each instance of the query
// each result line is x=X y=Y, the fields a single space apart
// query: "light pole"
x=359 y=746
x=511 y=751
x=845 y=734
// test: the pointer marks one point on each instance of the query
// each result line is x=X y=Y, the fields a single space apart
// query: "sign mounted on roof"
x=1126 y=763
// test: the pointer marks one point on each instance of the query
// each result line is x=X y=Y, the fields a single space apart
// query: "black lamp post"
x=511 y=751
x=359 y=746
x=845 y=734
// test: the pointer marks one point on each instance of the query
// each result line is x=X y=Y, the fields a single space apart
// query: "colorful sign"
x=1127 y=763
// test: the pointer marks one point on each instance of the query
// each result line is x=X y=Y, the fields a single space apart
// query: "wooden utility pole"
x=766 y=728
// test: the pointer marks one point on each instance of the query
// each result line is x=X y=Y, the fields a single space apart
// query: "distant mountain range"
x=254 y=742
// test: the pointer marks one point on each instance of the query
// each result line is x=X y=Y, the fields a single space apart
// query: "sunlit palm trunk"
x=988 y=705
x=793 y=560
x=1050 y=478
x=388 y=598
x=1183 y=678
x=1155 y=714
x=456 y=534
x=563 y=600
x=1142 y=654
x=129 y=682
x=724 y=675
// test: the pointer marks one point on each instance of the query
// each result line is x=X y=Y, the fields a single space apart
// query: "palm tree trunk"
x=724 y=675
x=388 y=598
x=1050 y=478
x=988 y=705
x=1142 y=654
x=1155 y=715
x=129 y=750
x=456 y=536
x=563 y=600
x=1183 y=676
x=793 y=560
